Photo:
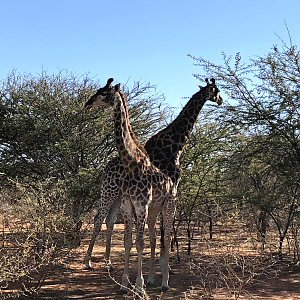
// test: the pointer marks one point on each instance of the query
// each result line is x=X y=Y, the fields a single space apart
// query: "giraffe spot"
x=140 y=185
x=159 y=144
x=125 y=161
x=133 y=165
x=144 y=202
x=134 y=182
x=174 y=148
x=183 y=139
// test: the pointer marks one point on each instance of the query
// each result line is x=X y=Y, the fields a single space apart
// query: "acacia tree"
x=45 y=135
x=265 y=106
x=271 y=194
x=202 y=190
x=52 y=153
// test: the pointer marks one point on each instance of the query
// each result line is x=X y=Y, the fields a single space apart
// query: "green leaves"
x=45 y=133
x=264 y=110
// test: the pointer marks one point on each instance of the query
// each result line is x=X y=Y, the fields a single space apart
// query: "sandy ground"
x=78 y=283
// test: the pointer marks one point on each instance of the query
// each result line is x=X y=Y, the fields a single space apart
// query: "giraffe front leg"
x=141 y=215
x=152 y=234
x=127 y=215
x=152 y=216
x=110 y=222
x=168 y=214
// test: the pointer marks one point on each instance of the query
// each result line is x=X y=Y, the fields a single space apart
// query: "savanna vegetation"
x=240 y=171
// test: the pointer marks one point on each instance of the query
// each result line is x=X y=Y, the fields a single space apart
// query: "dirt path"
x=78 y=283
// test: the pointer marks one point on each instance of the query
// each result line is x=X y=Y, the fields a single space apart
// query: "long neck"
x=179 y=130
x=132 y=154
x=165 y=147
x=185 y=121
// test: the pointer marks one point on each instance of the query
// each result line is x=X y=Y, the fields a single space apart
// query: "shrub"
x=33 y=237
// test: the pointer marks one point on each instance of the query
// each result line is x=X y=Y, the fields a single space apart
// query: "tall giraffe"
x=164 y=150
x=143 y=188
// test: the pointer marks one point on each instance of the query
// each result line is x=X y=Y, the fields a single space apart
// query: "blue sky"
x=133 y=40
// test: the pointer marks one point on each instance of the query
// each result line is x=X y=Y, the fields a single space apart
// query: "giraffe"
x=163 y=154
x=144 y=188
x=164 y=150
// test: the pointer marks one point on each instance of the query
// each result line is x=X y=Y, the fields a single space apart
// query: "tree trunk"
x=262 y=228
x=280 y=256
x=210 y=220
x=210 y=227
x=189 y=239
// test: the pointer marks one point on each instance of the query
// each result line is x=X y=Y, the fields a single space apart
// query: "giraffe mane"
x=132 y=134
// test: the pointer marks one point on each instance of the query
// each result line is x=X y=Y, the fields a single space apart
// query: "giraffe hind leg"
x=141 y=217
x=106 y=205
x=109 y=195
x=162 y=233
x=98 y=220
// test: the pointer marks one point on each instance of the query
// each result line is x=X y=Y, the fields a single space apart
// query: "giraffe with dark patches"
x=144 y=188
x=164 y=150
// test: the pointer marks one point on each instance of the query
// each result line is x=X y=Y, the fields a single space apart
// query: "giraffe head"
x=104 y=96
x=211 y=91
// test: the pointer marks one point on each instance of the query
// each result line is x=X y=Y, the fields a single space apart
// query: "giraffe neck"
x=185 y=121
x=133 y=155
x=165 y=147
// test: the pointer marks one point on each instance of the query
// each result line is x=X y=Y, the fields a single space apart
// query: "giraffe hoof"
x=164 y=288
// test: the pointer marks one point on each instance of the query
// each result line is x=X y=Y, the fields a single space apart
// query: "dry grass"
x=228 y=267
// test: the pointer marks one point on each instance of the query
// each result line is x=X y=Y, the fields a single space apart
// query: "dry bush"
x=294 y=240
x=33 y=237
x=229 y=263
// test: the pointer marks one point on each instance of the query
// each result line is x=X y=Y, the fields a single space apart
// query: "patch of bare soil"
x=78 y=283
x=286 y=286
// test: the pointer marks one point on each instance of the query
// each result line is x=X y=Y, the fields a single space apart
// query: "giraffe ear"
x=117 y=87
x=200 y=86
